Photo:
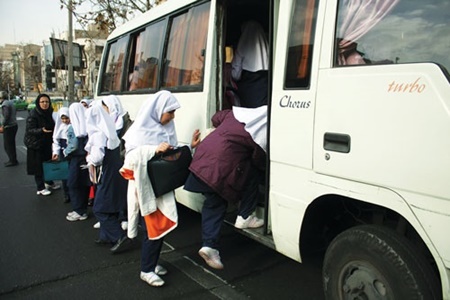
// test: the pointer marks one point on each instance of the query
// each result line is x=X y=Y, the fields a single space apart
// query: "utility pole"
x=70 y=56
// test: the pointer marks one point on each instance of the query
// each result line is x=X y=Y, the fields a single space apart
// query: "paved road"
x=43 y=256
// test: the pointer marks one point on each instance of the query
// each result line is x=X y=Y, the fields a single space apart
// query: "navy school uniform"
x=110 y=197
x=78 y=180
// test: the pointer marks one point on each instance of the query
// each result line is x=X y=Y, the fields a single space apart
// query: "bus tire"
x=373 y=262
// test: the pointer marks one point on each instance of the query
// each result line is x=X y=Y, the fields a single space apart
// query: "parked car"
x=20 y=104
x=31 y=106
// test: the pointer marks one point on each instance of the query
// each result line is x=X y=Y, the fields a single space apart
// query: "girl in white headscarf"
x=116 y=110
x=86 y=103
x=250 y=65
x=60 y=142
x=78 y=181
x=152 y=132
x=147 y=128
x=120 y=117
x=122 y=122
x=110 y=196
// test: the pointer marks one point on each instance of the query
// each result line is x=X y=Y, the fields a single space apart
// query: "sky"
x=31 y=21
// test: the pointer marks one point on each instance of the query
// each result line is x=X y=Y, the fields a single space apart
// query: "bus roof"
x=158 y=11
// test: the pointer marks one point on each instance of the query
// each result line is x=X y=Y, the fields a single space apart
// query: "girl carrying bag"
x=169 y=170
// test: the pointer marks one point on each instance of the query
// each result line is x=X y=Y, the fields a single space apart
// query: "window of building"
x=186 y=48
x=393 y=31
x=98 y=50
x=300 y=44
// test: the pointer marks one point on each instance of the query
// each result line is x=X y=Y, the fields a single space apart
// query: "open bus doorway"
x=235 y=14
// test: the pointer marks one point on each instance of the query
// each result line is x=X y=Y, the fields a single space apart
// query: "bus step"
x=256 y=234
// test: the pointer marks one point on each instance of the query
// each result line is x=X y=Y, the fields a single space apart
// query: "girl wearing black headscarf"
x=38 y=140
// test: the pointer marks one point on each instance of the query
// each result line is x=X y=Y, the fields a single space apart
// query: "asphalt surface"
x=44 y=256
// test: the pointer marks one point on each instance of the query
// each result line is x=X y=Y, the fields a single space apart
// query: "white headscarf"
x=100 y=129
x=78 y=119
x=147 y=128
x=87 y=101
x=255 y=120
x=253 y=47
x=60 y=131
x=116 y=110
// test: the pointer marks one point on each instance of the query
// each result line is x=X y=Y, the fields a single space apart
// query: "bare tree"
x=6 y=78
x=108 y=14
x=31 y=65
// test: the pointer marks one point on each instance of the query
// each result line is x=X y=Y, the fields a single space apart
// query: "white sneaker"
x=44 y=192
x=124 y=225
x=250 y=222
x=96 y=225
x=54 y=186
x=211 y=257
x=76 y=217
x=160 y=270
x=152 y=279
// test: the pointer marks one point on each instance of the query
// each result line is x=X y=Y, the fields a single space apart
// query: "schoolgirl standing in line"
x=60 y=142
x=110 y=196
x=78 y=180
x=122 y=122
x=152 y=132
x=86 y=104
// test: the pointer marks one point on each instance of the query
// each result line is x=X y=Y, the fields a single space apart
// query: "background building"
x=32 y=68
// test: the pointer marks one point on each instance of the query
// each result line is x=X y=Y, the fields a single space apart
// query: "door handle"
x=337 y=142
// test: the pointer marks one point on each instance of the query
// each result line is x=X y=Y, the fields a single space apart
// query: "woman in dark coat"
x=227 y=168
x=38 y=140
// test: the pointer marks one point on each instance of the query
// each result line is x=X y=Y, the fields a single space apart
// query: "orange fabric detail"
x=127 y=174
x=92 y=192
x=157 y=224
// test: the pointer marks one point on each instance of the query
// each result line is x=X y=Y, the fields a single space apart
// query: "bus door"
x=291 y=119
x=232 y=14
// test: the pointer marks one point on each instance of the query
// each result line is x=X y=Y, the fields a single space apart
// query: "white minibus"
x=358 y=164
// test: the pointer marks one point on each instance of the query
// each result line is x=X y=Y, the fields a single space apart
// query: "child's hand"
x=55 y=157
x=195 y=138
x=163 y=147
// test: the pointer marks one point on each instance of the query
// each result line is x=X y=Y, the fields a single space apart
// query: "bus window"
x=112 y=73
x=300 y=47
x=394 y=32
x=185 y=54
x=144 y=63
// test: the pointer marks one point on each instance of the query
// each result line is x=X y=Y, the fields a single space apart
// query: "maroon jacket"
x=224 y=158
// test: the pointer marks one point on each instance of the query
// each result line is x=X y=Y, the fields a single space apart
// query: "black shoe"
x=101 y=242
x=11 y=164
x=122 y=245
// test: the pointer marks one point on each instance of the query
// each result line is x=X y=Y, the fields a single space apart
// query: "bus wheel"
x=372 y=262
